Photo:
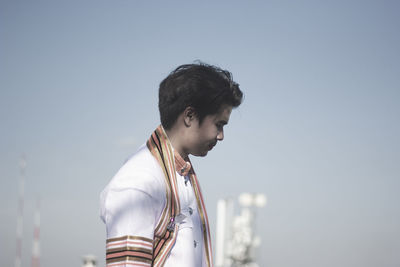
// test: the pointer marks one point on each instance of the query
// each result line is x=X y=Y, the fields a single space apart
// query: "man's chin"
x=200 y=154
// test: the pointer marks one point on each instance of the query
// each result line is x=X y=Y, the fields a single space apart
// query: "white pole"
x=220 y=236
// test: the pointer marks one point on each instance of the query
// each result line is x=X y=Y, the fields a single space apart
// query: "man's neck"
x=175 y=137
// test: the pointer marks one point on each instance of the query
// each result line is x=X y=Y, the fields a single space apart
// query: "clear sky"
x=318 y=131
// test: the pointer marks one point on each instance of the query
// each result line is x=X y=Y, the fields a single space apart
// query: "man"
x=153 y=207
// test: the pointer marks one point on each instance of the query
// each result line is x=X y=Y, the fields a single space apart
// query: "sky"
x=318 y=130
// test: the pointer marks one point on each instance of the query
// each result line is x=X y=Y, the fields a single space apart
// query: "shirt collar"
x=182 y=167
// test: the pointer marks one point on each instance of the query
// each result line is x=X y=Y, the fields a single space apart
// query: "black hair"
x=201 y=86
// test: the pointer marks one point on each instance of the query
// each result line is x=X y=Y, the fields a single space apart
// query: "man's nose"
x=220 y=135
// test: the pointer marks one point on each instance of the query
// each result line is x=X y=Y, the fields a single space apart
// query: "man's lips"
x=212 y=145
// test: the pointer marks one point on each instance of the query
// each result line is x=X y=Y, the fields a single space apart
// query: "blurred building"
x=89 y=261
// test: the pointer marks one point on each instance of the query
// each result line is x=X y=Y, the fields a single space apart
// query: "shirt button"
x=186 y=180
x=190 y=211
x=195 y=243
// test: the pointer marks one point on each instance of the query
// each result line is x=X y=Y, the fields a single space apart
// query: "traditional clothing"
x=154 y=211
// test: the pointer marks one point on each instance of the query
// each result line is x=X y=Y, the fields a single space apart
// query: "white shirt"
x=132 y=203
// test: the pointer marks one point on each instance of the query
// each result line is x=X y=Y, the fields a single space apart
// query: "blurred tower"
x=18 y=255
x=236 y=239
x=36 y=237
x=244 y=241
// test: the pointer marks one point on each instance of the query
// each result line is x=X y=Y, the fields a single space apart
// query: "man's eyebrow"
x=223 y=122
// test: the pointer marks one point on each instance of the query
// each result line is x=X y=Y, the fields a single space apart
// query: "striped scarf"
x=166 y=230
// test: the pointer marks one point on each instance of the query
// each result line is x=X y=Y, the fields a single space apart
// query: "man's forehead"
x=224 y=113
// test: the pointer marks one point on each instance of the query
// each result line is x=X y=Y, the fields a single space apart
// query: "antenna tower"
x=36 y=237
x=22 y=166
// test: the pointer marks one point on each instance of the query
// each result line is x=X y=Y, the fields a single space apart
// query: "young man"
x=153 y=207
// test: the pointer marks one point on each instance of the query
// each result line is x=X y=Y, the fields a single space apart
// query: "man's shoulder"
x=141 y=171
x=141 y=160
x=140 y=177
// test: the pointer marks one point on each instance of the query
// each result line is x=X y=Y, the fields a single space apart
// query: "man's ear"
x=189 y=115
